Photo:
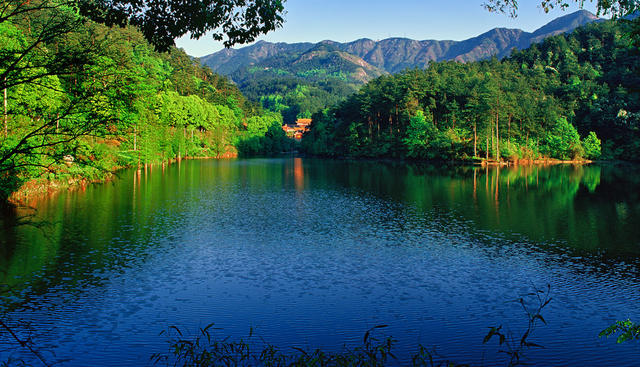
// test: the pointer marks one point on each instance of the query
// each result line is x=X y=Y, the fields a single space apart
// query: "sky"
x=349 y=20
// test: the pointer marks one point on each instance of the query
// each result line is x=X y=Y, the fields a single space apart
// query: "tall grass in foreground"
x=202 y=349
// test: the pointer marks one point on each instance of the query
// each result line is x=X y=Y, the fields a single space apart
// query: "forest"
x=81 y=100
x=572 y=97
x=293 y=97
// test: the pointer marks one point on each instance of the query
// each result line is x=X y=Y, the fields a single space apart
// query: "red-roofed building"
x=296 y=130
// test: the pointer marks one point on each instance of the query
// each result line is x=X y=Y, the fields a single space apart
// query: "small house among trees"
x=296 y=130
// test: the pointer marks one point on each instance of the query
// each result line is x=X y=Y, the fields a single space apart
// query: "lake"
x=312 y=253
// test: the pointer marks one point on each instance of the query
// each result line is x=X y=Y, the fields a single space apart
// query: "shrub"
x=592 y=146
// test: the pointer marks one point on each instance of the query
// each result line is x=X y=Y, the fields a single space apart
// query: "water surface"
x=312 y=253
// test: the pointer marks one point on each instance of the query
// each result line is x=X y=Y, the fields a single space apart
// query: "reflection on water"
x=566 y=204
x=313 y=253
x=298 y=174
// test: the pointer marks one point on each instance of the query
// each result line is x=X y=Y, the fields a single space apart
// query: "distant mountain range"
x=364 y=59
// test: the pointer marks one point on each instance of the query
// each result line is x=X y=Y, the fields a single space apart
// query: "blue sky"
x=348 y=20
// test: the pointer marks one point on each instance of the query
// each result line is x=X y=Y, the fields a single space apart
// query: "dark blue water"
x=312 y=253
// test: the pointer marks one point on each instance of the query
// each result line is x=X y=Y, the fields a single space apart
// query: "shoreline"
x=37 y=189
x=534 y=162
x=472 y=162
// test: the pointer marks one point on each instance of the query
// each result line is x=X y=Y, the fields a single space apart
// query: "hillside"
x=320 y=62
x=299 y=84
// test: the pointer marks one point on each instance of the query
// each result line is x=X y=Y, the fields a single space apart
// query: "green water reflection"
x=585 y=207
x=590 y=209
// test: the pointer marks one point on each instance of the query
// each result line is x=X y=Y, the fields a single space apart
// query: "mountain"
x=229 y=60
x=561 y=25
x=393 y=54
x=323 y=60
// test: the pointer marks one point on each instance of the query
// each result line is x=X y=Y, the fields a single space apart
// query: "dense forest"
x=82 y=99
x=572 y=96
x=294 y=97
x=300 y=84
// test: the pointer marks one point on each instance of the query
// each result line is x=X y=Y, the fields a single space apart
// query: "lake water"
x=312 y=253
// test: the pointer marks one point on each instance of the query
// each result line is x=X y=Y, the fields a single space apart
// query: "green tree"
x=420 y=133
x=591 y=146
x=563 y=141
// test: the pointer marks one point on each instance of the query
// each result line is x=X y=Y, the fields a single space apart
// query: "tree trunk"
x=497 y=136
x=6 y=129
x=493 y=143
x=475 y=140
x=487 y=152
x=135 y=137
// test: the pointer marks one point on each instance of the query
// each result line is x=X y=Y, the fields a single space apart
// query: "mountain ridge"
x=395 y=54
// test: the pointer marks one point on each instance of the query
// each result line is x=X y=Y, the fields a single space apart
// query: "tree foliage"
x=617 y=8
x=90 y=98
x=626 y=330
x=292 y=96
x=162 y=21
